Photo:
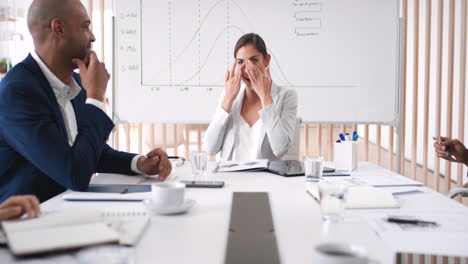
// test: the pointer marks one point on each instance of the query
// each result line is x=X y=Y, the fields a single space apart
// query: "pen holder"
x=346 y=155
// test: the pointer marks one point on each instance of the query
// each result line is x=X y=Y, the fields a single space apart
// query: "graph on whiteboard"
x=191 y=43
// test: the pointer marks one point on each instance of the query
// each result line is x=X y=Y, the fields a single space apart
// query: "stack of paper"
x=361 y=197
x=368 y=197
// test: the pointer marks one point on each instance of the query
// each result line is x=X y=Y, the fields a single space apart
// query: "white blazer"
x=278 y=126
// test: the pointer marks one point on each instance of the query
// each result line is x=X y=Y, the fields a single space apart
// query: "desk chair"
x=295 y=147
x=463 y=191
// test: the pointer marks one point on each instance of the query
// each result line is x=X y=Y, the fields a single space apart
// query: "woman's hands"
x=261 y=82
x=232 y=86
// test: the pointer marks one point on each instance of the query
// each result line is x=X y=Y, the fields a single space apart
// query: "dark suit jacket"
x=35 y=157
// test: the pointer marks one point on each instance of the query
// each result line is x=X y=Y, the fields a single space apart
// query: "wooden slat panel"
x=90 y=11
x=414 y=135
x=462 y=92
x=445 y=258
x=366 y=142
x=116 y=137
x=450 y=71
x=391 y=145
x=403 y=95
x=140 y=138
x=306 y=129
x=127 y=137
x=438 y=111
x=151 y=136
x=379 y=143
x=343 y=129
x=176 y=152
x=320 y=143
x=102 y=7
x=187 y=141
x=427 y=79
x=164 y=136
x=330 y=142
x=199 y=137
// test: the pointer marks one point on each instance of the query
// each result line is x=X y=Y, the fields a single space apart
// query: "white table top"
x=200 y=235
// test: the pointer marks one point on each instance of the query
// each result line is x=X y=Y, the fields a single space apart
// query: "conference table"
x=201 y=234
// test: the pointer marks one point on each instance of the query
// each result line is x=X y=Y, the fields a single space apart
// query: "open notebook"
x=68 y=230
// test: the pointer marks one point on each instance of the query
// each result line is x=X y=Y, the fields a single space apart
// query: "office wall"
x=434 y=90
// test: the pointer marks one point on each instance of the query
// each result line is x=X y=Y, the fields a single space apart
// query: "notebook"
x=68 y=230
x=361 y=197
x=287 y=168
x=97 y=196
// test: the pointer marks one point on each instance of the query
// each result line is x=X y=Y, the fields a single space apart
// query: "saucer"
x=169 y=210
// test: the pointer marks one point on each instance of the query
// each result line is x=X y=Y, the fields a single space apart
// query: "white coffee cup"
x=341 y=253
x=167 y=194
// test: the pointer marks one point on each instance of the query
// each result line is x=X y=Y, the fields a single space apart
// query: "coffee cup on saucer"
x=168 y=198
x=341 y=253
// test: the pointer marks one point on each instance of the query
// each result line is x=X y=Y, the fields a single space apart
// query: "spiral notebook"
x=68 y=230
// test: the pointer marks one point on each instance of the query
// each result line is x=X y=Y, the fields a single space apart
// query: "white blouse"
x=248 y=140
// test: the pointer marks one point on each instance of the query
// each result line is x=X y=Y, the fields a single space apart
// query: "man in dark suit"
x=53 y=125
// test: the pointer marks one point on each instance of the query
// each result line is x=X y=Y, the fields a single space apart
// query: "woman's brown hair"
x=254 y=40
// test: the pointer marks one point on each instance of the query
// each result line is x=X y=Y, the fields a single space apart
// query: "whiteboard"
x=341 y=56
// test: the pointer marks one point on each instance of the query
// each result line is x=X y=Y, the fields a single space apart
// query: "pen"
x=392 y=219
x=342 y=137
x=448 y=152
x=355 y=136
x=169 y=157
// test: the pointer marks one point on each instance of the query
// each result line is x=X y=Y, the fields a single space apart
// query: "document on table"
x=448 y=237
x=378 y=181
x=230 y=166
x=361 y=197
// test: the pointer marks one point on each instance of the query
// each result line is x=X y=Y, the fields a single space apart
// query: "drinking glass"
x=313 y=168
x=199 y=161
x=332 y=200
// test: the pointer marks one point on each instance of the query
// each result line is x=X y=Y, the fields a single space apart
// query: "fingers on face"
x=267 y=72
x=93 y=57
x=233 y=69
x=80 y=64
x=249 y=71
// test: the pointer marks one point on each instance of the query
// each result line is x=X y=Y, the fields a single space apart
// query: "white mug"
x=341 y=253
x=168 y=194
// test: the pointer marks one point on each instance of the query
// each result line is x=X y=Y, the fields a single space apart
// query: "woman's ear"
x=268 y=58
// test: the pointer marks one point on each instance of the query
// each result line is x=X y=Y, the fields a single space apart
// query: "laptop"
x=290 y=168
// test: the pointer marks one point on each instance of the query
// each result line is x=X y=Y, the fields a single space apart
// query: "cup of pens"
x=346 y=152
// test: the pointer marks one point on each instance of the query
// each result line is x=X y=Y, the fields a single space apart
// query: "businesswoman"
x=255 y=120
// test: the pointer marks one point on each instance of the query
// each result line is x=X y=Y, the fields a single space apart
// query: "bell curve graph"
x=190 y=43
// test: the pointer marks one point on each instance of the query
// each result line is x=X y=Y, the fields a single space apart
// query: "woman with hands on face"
x=255 y=118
